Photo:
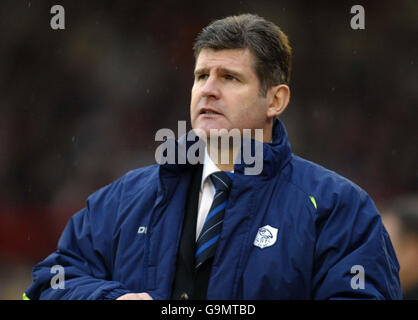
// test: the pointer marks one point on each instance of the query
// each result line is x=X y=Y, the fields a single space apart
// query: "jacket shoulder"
x=323 y=186
x=132 y=182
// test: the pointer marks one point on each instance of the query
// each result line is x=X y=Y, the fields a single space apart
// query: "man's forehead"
x=236 y=58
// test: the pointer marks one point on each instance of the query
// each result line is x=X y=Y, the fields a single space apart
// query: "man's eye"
x=202 y=76
x=229 y=77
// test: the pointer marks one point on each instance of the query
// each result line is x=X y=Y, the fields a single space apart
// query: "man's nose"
x=211 y=88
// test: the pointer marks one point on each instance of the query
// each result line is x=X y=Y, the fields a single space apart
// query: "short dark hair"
x=267 y=42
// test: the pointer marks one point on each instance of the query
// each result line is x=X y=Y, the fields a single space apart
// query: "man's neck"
x=223 y=164
x=230 y=151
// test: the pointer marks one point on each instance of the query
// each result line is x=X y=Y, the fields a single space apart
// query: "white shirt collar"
x=209 y=167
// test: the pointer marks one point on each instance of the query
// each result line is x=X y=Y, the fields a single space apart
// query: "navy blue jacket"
x=295 y=231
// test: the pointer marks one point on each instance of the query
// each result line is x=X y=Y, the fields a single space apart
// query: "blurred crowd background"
x=80 y=107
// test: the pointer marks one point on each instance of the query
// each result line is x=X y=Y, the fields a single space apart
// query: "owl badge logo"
x=266 y=237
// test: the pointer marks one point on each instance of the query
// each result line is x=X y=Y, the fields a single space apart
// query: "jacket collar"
x=275 y=154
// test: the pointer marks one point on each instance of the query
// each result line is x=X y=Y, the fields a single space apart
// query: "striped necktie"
x=208 y=239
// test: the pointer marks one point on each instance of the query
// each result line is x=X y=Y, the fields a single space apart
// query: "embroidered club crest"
x=266 y=237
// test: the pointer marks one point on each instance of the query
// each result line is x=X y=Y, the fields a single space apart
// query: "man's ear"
x=280 y=96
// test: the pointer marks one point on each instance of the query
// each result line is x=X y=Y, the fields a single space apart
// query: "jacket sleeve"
x=81 y=267
x=354 y=257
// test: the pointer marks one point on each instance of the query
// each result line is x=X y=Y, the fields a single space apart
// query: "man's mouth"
x=209 y=111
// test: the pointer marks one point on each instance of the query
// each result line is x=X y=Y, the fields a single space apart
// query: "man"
x=295 y=230
x=400 y=217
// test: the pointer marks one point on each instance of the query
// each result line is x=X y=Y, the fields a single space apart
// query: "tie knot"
x=222 y=180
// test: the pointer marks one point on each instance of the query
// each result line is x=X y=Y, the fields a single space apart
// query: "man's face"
x=226 y=92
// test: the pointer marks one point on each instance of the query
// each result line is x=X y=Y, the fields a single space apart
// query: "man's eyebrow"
x=200 y=71
x=231 y=72
x=221 y=70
